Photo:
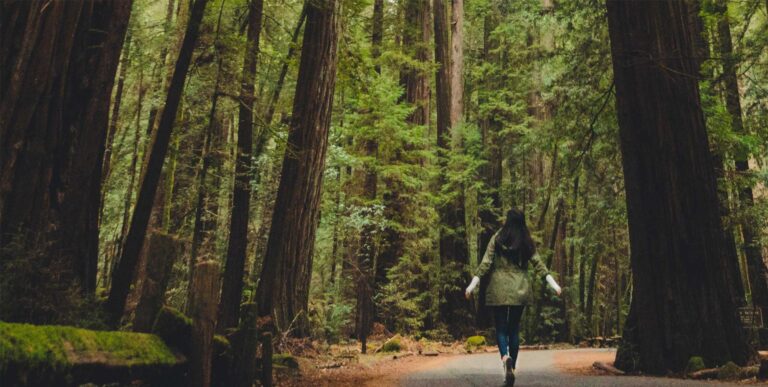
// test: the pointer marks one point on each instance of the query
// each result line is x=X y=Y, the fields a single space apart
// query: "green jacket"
x=509 y=283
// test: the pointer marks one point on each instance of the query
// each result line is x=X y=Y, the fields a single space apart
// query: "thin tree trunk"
x=206 y=158
x=591 y=291
x=457 y=65
x=366 y=256
x=234 y=270
x=284 y=282
x=115 y=113
x=681 y=292
x=758 y=273
x=454 y=252
x=123 y=274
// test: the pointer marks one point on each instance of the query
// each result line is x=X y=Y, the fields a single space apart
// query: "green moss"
x=285 y=360
x=392 y=345
x=174 y=328
x=35 y=351
x=695 y=363
x=475 y=341
x=730 y=371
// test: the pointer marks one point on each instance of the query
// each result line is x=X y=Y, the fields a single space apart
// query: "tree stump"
x=266 y=361
x=161 y=254
x=244 y=370
x=203 y=304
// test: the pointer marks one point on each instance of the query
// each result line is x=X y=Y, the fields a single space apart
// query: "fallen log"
x=49 y=355
x=607 y=367
x=402 y=355
x=707 y=373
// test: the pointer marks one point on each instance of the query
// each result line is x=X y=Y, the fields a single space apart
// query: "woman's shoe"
x=509 y=372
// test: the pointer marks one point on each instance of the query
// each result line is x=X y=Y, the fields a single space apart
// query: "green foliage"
x=285 y=360
x=695 y=363
x=392 y=345
x=473 y=342
x=729 y=371
x=174 y=328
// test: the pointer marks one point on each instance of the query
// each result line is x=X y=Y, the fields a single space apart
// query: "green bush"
x=730 y=371
x=392 y=345
x=475 y=341
x=695 y=363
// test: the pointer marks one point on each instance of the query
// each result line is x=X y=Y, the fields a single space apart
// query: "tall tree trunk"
x=489 y=201
x=702 y=51
x=682 y=303
x=58 y=67
x=366 y=254
x=454 y=252
x=591 y=289
x=267 y=198
x=134 y=240
x=232 y=285
x=758 y=273
x=284 y=283
x=457 y=64
x=206 y=159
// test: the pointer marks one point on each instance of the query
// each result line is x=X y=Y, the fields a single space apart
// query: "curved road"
x=535 y=368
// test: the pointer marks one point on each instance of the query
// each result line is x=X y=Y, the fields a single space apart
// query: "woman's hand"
x=553 y=284
x=471 y=287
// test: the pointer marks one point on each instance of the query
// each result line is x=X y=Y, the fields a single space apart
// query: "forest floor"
x=455 y=367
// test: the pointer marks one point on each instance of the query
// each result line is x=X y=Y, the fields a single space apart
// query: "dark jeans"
x=507 y=320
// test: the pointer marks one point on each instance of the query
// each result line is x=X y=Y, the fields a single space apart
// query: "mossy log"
x=48 y=355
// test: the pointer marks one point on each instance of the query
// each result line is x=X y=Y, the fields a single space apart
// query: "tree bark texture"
x=232 y=286
x=57 y=67
x=454 y=251
x=682 y=302
x=205 y=290
x=123 y=274
x=284 y=285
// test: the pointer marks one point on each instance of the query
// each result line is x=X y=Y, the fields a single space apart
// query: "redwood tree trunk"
x=682 y=304
x=57 y=67
x=122 y=277
x=284 y=283
x=232 y=285
x=454 y=252
x=366 y=256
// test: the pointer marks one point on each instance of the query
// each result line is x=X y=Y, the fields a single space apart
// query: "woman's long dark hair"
x=514 y=240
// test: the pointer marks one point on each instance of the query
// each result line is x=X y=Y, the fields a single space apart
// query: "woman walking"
x=506 y=259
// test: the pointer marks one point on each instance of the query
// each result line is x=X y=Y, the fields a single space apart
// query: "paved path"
x=535 y=368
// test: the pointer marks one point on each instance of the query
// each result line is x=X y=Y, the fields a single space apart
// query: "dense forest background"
x=444 y=114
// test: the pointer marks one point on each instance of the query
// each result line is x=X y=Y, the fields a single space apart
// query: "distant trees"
x=682 y=302
x=58 y=66
x=123 y=275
